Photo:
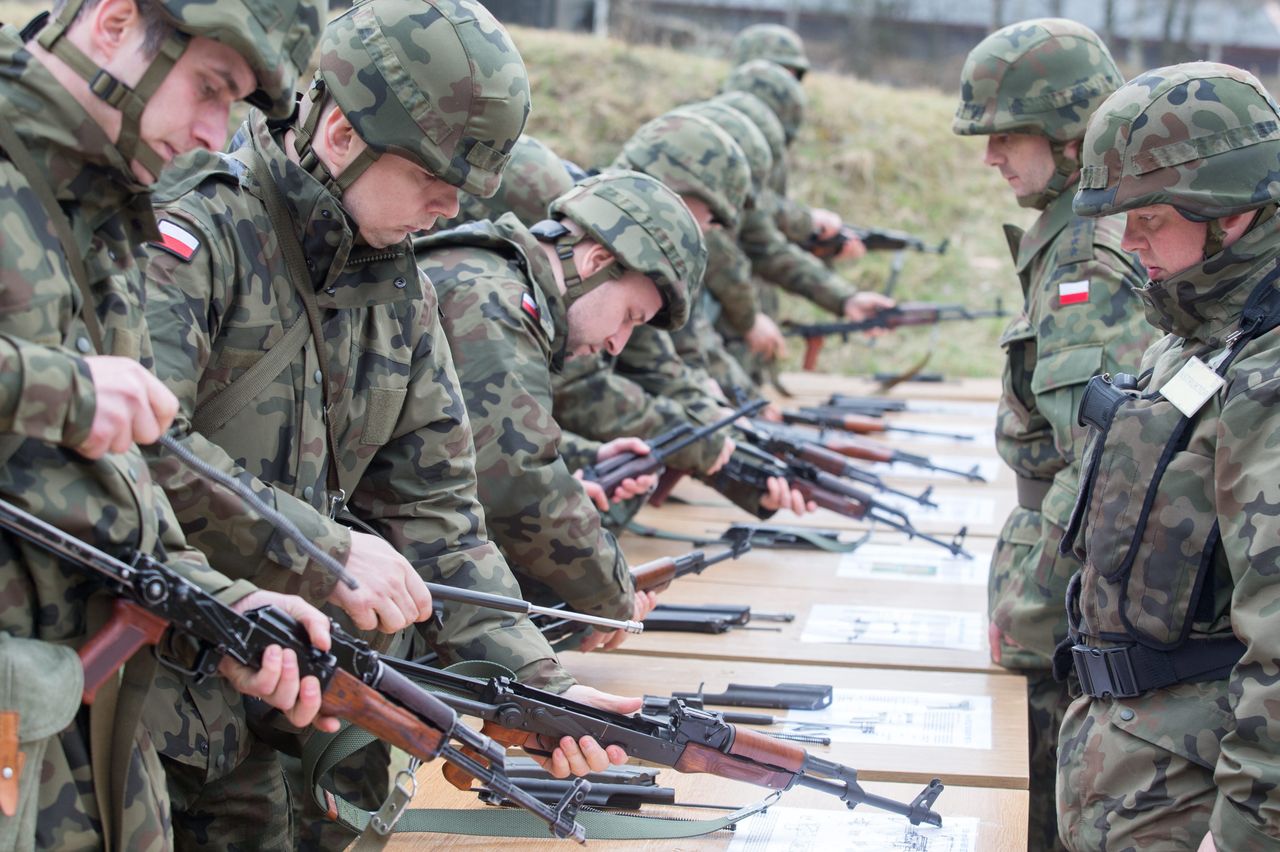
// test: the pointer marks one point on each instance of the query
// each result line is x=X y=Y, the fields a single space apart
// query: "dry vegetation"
x=877 y=155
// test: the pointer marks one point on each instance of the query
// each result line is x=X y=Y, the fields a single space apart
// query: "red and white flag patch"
x=530 y=306
x=177 y=240
x=1073 y=292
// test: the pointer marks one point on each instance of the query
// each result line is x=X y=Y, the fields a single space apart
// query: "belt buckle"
x=1105 y=672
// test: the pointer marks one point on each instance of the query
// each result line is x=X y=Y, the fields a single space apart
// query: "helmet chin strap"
x=1063 y=168
x=304 y=137
x=575 y=284
x=130 y=101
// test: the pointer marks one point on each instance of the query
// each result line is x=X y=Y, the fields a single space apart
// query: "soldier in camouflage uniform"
x=76 y=165
x=1176 y=742
x=344 y=182
x=774 y=42
x=1030 y=88
x=622 y=251
x=533 y=178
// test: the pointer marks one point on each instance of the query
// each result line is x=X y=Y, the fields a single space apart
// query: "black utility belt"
x=1128 y=671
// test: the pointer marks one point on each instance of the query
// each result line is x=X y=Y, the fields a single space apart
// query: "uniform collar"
x=1051 y=222
x=346 y=274
x=551 y=302
x=84 y=168
x=1205 y=302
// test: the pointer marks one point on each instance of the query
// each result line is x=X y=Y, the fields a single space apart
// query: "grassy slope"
x=877 y=155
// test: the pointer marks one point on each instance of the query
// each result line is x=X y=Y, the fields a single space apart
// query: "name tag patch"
x=177 y=240
x=1073 y=292
x=1192 y=387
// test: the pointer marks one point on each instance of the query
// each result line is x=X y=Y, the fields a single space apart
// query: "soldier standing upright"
x=1176 y=742
x=95 y=102
x=1030 y=89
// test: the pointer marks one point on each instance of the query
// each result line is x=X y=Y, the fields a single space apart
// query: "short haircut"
x=157 y=27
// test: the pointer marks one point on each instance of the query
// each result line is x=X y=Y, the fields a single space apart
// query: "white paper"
x=915 y=562
x=988 y=468
x=873 y=625
x=985 y=411
x=863 y=830
x=885 y=717
x=960 y=509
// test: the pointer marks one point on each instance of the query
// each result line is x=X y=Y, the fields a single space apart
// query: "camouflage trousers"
x=1137 y=773
x=1026 y=592
x=1047 y=702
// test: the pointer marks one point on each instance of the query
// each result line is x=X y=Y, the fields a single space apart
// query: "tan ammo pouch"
x=1031 y=492
x=40 y=688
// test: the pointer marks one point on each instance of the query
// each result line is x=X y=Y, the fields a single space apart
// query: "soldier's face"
x=1165 y=242
x=605 y=317
x=191 y=107
x=394 y=198
x=701 y=212
x=1024 y=160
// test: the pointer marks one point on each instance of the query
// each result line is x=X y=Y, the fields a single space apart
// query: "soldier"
x=534 y=177
x=622 y=251
x=774 y=42
x=96 y=101
x=1030 y=89
x=1175 y=743
x=299 y=235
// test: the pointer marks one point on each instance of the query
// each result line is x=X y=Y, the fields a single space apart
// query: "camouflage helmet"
x=767 y=123
x=771 y=83
x=534 y=177
x=1044 y=76
x=692 y=156
x=645 y=226
x=773 y=42
x=1202 y=137
x=742 y=130
x=437 y=82
x=275 y=38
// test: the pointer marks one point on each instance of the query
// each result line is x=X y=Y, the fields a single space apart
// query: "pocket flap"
x=1020 y=328
x=42 y=683
x=1074 y=365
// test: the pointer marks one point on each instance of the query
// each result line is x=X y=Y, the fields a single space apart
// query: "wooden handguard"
x=700 y=758
x=654 y=576
x=837 y=503
x=347 y=697
x=129 y=629
x=753 y=745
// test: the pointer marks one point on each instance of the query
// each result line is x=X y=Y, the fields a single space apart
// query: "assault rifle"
x=833 y=418
x=709 y=618
x=357 y=684
x=788 y=448
x=682 y=738
x=753 y=467
x=900 y=315
x=875 y=239
x=869 y=406
x=875 y=451
x=611 y=472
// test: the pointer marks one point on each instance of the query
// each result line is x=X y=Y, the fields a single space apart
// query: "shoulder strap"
x=21 y=157
x=212 y=414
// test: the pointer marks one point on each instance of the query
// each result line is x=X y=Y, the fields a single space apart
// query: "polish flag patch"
x=530 y=306
x=1073 y=292
x=177 y=240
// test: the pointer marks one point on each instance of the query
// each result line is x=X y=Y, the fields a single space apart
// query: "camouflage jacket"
x=728 y=281
x=1216 y=577
x=506 y=320
x=1080 y=317
x=403 y=441
x=47 y=404
x=779 y=261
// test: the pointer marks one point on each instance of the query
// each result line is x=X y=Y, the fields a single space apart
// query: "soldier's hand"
x=864 y=305
x=630 y=487
x=391 y=595
x=765 y=338
x=609 y=639
x=722 y=459
x=772 y=413
x=277 y=682
x=132 y=406
x=825 y=223
x=584 y=755
x=782 y=496
x=993 y=640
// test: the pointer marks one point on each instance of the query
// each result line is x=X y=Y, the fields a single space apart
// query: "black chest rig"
x=1145 y=524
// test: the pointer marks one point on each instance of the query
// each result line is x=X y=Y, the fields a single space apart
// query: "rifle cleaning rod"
x=505 y=604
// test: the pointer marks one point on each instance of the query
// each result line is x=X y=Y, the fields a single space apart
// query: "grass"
x=877 y=155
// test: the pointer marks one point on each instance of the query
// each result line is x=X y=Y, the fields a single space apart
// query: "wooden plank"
x=822 y=385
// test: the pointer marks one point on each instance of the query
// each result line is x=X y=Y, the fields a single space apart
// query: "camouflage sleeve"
x=419 y=491
x=598 y=403
x=1107 y=332
x=185 y=306
x=794 y=220
x=781 y=262
x=46 y=393
x=1246 y=814
x=538 y=513
x=578 y=452
x=728 y=280
x=650 y=360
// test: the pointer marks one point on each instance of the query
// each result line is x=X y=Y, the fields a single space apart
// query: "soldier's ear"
x=1071 y=150
x=109 y=27
x=593 y=258
x=1234 y=227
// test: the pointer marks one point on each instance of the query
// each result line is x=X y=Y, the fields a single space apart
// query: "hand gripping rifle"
x=875 y=239
x=856 y=448
x=834 y=418
x=754 y=467
x=682 y=738
x=357 y=684
x=788 y=448
x=612 y=471
x=902 y=314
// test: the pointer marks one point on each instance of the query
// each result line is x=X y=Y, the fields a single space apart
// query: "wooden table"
x=820 y=386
